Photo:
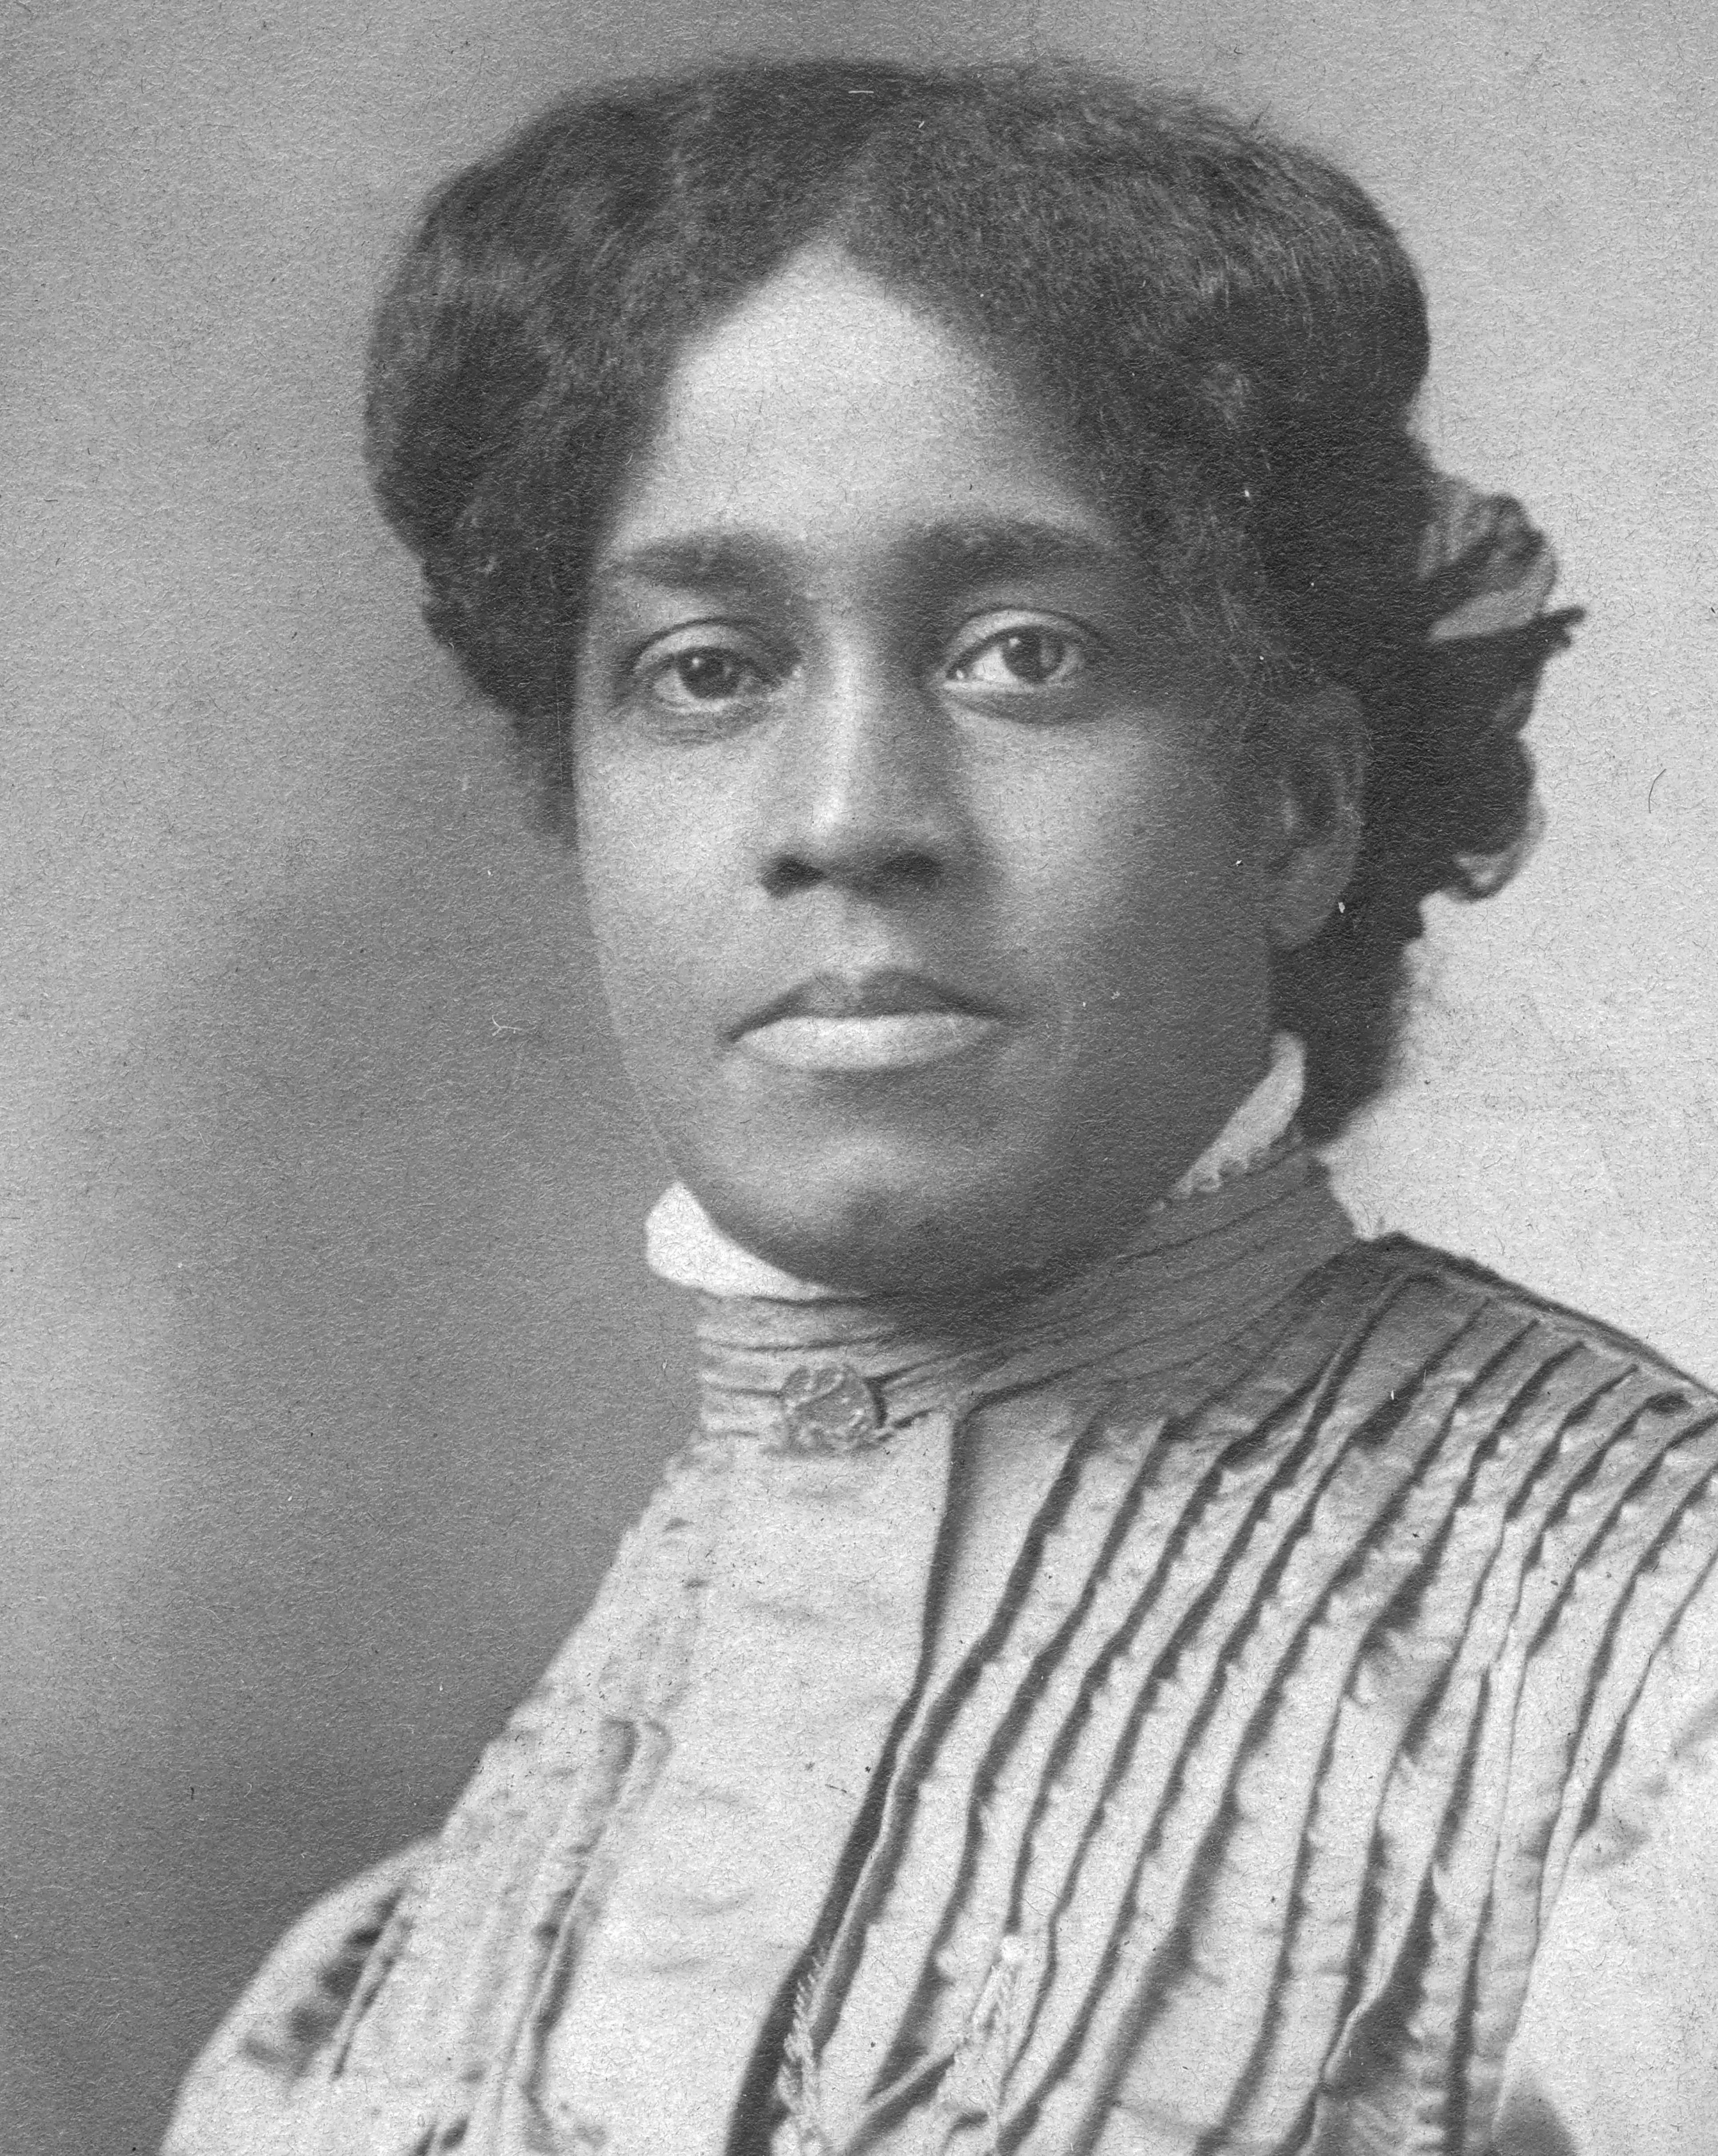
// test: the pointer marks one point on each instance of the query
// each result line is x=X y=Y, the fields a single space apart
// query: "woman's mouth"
x=870 y=1022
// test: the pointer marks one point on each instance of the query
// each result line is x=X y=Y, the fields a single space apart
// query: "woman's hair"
x=1229 y=332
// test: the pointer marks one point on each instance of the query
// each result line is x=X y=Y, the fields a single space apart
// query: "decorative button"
x=829 y=1407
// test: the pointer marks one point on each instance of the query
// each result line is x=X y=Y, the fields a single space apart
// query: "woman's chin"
x=930 y=1236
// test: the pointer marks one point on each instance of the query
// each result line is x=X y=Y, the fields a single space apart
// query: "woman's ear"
x=1309 y=758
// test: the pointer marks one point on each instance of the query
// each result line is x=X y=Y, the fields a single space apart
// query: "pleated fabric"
x=1154 y=1741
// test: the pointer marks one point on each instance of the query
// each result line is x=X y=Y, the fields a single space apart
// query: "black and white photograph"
x=858 y=1131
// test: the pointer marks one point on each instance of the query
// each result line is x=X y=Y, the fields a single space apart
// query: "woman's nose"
x=864 y=793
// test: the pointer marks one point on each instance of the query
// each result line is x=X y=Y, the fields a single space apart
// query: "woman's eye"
x=1032 y=656
x=706 y=674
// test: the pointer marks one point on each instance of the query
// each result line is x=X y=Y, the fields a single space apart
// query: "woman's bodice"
x=1124 y=1736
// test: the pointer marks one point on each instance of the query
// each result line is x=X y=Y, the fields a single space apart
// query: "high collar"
x=805 y=1367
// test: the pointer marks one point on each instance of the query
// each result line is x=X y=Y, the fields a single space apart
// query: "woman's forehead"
x=827 y=409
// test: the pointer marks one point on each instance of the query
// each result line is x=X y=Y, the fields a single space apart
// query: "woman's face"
x=935 y=940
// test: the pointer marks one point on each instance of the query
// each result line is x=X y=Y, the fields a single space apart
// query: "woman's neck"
x=684 y=1246
x=1245 y=1223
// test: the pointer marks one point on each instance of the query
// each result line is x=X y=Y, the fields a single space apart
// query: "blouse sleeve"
x=1616 y=2053
x=234 y=2100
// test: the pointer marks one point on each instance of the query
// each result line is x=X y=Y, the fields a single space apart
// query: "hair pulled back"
x=1227 y=328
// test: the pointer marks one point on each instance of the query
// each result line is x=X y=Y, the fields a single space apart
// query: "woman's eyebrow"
x=955 y=552
x=696 y=560
x=978 y=550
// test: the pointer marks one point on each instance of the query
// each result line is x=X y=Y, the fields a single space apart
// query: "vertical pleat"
x=1120 y=1931
x=1257 y=1873
x=1419 y=1604
x=1557 y=1560
x=1657 y=1477
x=1474 y=1601
x=1657 y=1597
x=945 y=1806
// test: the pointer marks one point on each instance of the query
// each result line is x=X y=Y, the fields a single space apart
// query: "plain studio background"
x=331 y=1372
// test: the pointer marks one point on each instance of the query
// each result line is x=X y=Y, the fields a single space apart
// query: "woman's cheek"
x=673 y=943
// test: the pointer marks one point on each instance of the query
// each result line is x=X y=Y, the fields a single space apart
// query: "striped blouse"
x=1256 y=1700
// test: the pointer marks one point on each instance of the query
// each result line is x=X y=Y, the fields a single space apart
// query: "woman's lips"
x=889 y=1020
x=897 y=1040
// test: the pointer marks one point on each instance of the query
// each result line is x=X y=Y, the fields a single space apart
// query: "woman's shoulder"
x=1466 y=1283
x=234 y=2101
x=1531 y=1442
x=1455 y=1304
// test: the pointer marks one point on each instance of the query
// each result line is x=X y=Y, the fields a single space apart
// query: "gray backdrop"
x=330 y=1374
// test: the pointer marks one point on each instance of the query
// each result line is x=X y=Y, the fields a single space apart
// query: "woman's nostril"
x=784 y=877
x=914 y=871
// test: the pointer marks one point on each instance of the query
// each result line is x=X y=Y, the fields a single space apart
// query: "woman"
x=1124 y=1666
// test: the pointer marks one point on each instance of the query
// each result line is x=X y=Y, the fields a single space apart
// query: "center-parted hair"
x=1225 y=327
